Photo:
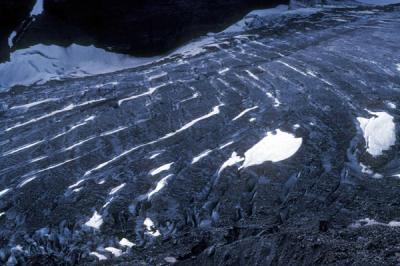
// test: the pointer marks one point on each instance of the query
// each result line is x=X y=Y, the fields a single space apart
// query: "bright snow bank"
x=41 y=63
x=37 y=8
x=379 y=132
x=274 y=147
x=258 y=18
x=379 y=2
x=370 y=222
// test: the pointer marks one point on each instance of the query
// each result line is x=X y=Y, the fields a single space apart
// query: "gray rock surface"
x=88 y=162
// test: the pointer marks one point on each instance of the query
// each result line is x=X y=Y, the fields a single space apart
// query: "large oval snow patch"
x=379 y=132
x=273 y=147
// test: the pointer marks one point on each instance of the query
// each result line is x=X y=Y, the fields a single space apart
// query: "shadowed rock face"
x=12 y=13
x=154 y=155
x=144 y=27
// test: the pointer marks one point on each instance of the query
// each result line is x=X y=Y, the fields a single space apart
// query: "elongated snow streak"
x=38 y=159
x=21 y=148
x=150 y=91
x=155 y=155
x=292 y=67
x=52 y=166
x=214 y=111
x=113 y=131
x=65 y=109
x=161 y=169
x=4 y=191
x=157 y=76
x=223 y=71
x=223 y=146
x=201 y=156
x=252 y=75
x=26 y=181
x=78 y=144
x=29 y=105
x=244 y=112
x=160 y=185
x=116 y=189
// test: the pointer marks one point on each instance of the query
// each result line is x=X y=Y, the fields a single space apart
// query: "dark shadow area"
x=141 y=28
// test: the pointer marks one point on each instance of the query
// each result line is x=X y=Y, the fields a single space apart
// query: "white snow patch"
x=369 y=222
x=10 y=39
x=37 y=8
x=273 y=147
x=392 y=105
x=234 y=159
x=96 y=221
x=161 y=169
x=52 y=62
x=170 y=259
x=148 y=223
x=126 y=243
x=160 y=185
x=98 y=255
x=155 y=155
x=116 y=189
x=379 y=132
x=115 y=251
x=201 y=156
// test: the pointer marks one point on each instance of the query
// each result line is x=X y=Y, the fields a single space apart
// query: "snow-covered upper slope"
x=41 y=63
x=379 y=2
